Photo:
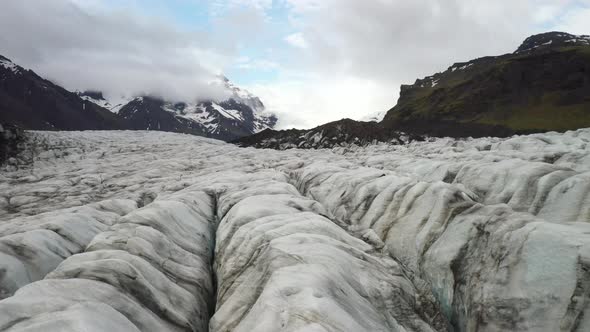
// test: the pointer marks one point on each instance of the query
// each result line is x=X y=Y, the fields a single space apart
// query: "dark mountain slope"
x=32 y=102
x=147 y=113
x=543 y=86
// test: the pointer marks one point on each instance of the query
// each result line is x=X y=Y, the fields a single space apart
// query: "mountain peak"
x=551 y=40
x=8 y=64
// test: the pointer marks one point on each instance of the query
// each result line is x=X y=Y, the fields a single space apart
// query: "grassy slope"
x=524 y=93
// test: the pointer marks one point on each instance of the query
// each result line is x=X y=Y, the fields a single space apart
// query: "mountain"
x=241 y=114
x=543 y=86
x=342 y=132
x=31 y=102
x=98 y=98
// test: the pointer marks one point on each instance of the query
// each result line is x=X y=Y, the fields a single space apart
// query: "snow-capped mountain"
x=98 y=99
x=552 y=39
x=241 y=114
x=9 y=65
x=31 y=102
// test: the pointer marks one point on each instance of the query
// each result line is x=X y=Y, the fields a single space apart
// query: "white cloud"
x=87 y=45
x=357 y=53
x=305 y=102
x=296 y=40
x=576 y=22
x=347 y=57
x=245 y=62
x=547 y=13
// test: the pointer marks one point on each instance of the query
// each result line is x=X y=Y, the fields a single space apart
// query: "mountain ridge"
x=242 y=114
x=31 y=102
x=543 y=86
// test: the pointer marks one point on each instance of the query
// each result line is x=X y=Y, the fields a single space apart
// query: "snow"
x=461 y=67
x=196 y=111
x=579 y=39
x=245 y=97
x=228 y=113
x=572 y=39
x=10 y=65
x=153 y=231
x=112 y=104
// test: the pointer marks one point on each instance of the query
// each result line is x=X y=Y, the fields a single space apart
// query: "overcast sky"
x=310 y=61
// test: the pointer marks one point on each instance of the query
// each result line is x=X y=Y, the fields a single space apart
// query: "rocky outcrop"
x=551 y=40
x=11 y=142
x=339 y=133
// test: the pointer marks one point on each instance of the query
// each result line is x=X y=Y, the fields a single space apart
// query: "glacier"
x=153 y=231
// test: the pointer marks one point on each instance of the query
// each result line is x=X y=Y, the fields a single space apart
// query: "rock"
x=11 y=139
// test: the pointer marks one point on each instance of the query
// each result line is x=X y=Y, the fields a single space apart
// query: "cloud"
x=357 y=53
x=403 y=40
x=575 y=21
x=313 y=61
x=296 y=40
x=305 y=102
x=85 y=45
x=255 y=64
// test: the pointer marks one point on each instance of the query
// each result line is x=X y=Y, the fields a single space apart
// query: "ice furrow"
x=482 y=261
x=31 y=247
x=152 y=266
x=281 y=265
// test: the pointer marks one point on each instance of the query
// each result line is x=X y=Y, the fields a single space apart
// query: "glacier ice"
x=150 y=231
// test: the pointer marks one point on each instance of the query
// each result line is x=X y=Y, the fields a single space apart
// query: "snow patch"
x=7 y=64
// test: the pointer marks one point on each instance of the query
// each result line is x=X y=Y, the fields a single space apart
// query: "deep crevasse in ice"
x=118 y=231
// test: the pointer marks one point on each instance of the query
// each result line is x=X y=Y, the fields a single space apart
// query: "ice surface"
x=152 y=231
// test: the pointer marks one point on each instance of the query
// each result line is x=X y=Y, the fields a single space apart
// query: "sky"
x=310 y=61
